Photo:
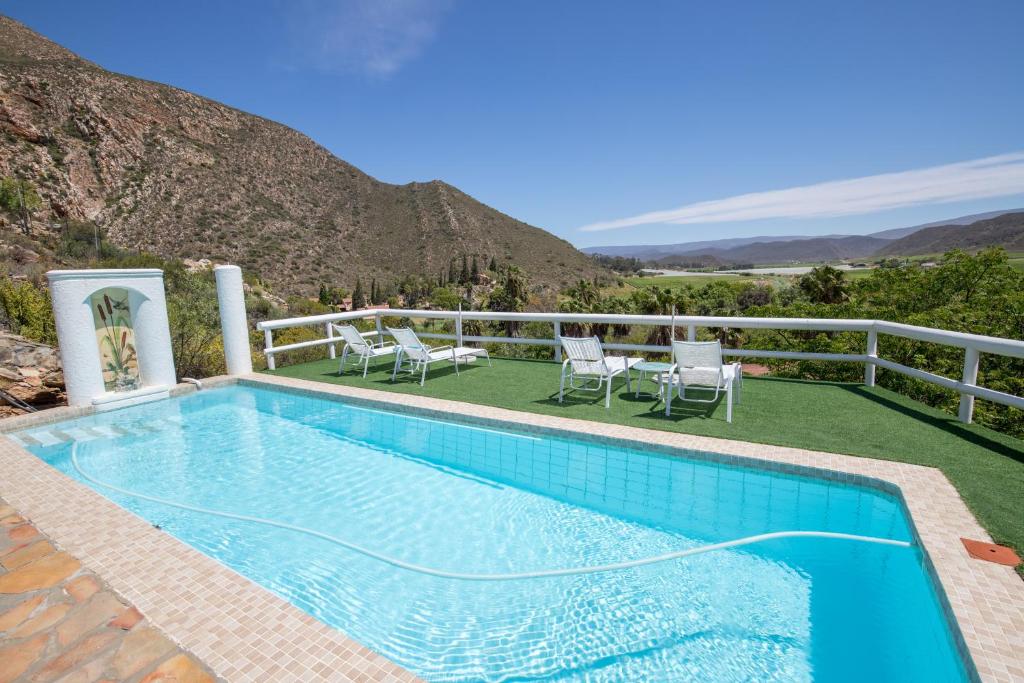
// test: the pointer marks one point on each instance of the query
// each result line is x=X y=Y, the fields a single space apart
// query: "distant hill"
x=1006 y=230
x=782 y=249
x=660 y=251
x=806 y=250
x=179 y=175
x=896 y=233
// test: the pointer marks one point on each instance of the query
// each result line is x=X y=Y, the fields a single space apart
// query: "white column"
x=558 y=341
x=691 y=333
x=233 y=323
x=971 y=358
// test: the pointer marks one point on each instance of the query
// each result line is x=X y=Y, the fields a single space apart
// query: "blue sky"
x=641 y=122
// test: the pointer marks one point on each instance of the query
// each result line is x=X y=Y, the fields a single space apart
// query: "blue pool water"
x=465 y=499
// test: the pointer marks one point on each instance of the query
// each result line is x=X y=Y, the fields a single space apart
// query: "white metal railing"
x=973 y=344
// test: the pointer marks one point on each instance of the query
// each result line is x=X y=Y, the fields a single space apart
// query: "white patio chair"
x=357 y=345
x=421 y=356
x=699 y=365
x=585 y=360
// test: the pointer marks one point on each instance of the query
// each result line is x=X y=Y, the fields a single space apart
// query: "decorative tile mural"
x=116 y=339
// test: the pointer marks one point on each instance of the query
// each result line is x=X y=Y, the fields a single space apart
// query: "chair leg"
x=608 y=394
x=561 y=385
x=728 y=402
x=423 y=375
x=628 y=385
x=398 y=362
x=668 y=397
x=344 y=355
x=455 y=360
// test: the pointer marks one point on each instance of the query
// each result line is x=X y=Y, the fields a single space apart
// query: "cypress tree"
x=474 y=271
x=493 y=266
x=324 y=296
x=464 y=274
x=358 y=298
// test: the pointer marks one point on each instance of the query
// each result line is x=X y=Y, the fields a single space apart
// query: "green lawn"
x=985 y=466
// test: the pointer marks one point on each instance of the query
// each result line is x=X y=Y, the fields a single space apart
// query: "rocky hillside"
x=1005 y=231
x=167 y=171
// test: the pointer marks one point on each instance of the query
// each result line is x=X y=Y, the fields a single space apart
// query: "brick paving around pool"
x=245 y=633
x=60 y=621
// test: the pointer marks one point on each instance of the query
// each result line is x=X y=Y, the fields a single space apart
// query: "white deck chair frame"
x=699 y=365
x=359 y=346
x=585 y=360
x=421 y=356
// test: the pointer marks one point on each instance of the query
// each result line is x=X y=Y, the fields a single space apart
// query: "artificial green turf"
x=985 y=466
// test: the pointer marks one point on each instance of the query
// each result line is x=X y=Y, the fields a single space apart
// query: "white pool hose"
x=541 y=574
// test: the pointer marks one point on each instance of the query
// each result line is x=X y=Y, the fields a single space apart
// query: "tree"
x=452 y=275
x=324 y=295
x=19 y=199
x=464 y=273
x=824 y=285
x=358 y=297
x=474 y=272
x=492 y=266
x=444 y=299
x=510 y=296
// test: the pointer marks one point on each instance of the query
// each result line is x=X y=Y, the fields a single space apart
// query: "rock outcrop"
x=30 y=372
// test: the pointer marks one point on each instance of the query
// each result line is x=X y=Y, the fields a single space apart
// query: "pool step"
x=53 y=436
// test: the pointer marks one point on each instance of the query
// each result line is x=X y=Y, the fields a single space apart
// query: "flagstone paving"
x=60 y=622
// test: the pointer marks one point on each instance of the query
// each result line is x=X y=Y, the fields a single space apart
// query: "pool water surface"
x=465 y=499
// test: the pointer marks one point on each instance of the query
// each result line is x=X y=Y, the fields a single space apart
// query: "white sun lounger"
x=357 y=345
x=420 y=356
x=699 y=365
x=585 y=360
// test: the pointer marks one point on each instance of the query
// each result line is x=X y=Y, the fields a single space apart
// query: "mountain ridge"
x=1006 y=230
x=768 y=249
x=168 y=171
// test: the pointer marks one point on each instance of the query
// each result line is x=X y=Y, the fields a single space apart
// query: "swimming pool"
x=465 y=499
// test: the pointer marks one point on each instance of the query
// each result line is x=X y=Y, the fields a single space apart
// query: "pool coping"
x=246 y=633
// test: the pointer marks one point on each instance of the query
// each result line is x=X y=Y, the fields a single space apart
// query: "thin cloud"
x=995 y=176
x=372 y=37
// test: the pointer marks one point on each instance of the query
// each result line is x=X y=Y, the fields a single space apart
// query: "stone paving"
x=61 y=622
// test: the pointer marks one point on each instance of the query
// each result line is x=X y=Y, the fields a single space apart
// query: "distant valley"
x=995 y=228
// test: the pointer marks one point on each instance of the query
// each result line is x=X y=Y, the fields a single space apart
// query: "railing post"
x=458 y=327
x=558 y=343
x=871 y=352
x=268 y=336
x=380 y=328
x=971 y=358
x=691 y=333
x=330 y=335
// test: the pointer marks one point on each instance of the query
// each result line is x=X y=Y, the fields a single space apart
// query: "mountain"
x=897 y=233
x=659 y=251
x=804 y=250
x=1006 y=230
x=167 y=171
x=782 y=249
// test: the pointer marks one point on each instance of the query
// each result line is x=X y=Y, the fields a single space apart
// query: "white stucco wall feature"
x=76 y=334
